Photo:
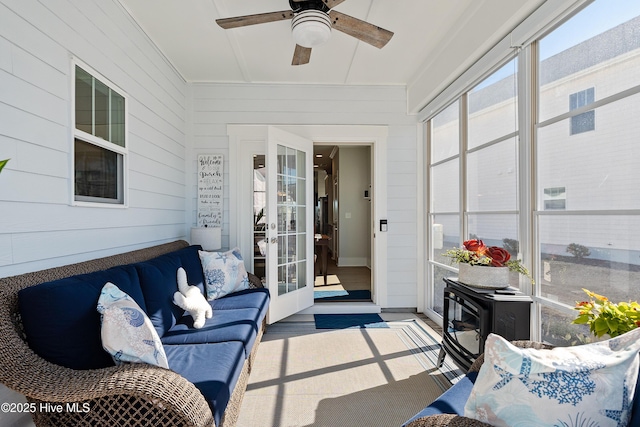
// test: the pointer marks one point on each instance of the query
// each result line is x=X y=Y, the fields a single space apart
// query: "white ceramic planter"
x=483 y=276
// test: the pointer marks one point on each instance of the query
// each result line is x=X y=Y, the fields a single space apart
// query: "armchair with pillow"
x=589 y=385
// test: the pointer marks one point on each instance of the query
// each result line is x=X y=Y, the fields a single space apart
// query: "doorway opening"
x=343 y=223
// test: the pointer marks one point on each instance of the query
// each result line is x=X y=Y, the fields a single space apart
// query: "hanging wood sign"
x=210 y=190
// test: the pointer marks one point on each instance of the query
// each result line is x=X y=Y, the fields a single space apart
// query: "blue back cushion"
x=61 y=321
x=158 y=280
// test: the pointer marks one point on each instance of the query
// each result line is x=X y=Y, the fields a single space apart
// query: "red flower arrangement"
x=475 y=252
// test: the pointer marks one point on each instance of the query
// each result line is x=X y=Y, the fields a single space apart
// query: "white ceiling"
x=445 y=36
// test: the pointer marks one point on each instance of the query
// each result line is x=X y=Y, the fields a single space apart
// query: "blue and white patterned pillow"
x=127 y=333
x=224 y=273
x=586 y=385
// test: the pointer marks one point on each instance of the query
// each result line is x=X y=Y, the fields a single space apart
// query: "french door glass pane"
x=292 y=216
x=493 y=106
x=492 y=178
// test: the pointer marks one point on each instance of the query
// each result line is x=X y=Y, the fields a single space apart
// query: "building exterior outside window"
x=586 y=121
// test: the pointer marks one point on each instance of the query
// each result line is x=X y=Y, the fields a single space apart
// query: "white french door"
x=290 y=257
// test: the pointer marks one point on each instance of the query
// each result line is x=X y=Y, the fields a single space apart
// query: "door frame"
x=244 y=139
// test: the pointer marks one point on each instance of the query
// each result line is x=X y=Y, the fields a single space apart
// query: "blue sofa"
x=59 y=325
x=448 y=409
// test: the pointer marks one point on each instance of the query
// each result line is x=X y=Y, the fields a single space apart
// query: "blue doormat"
x=345 y=321
x=342 y=295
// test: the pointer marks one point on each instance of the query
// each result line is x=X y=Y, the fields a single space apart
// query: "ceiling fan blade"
x=361 y=30
x=260 y=18
x=301 y=55
x=330 y=3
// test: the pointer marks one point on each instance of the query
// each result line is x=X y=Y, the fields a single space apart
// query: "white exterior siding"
x=39 y=227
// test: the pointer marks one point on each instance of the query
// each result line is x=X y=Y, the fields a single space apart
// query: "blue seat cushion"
x=451 y=401
x=225 y=325
x=635 y=408
x=61 y=321
x=248 y=298
x=213 y=368
x=158 y=280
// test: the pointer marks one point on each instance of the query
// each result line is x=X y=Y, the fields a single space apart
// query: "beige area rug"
x=342 y=378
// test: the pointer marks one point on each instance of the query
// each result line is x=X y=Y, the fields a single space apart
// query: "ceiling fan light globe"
x=311 y=28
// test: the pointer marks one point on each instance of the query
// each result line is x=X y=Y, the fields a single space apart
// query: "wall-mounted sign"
x=210 y=190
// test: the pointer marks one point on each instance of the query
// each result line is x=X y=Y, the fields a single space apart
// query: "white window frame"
x=122 y=200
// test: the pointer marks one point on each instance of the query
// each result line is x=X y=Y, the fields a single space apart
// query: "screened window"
x=592 y=242
x=99 y=140
x=479 y=189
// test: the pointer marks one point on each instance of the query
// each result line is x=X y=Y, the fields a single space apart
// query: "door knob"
x=274 y=240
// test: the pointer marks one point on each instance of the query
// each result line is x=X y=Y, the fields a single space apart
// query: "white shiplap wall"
x=38 y=226
x=214 y=106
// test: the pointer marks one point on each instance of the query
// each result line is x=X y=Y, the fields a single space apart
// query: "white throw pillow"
x=584 y=385
x=224 y=273
x=127 y=333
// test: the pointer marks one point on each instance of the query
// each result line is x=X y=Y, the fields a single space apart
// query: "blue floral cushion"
x=224 y=273
x=586 y=385
x=127 y=333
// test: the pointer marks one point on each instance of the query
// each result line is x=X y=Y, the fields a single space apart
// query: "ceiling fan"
x=311 y=23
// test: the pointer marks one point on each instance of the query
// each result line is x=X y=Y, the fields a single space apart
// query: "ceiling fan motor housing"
x=311 y=28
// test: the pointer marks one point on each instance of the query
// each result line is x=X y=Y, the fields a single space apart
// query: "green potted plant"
x=3 y=164
x=485 y=266
x=605 y=317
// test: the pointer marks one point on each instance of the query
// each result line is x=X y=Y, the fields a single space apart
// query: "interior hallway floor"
x=343 y=279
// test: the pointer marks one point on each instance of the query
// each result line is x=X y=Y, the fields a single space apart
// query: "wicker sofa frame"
x=451 y=420
x=128 y=395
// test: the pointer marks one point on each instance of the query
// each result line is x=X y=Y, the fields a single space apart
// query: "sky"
x=595 y=19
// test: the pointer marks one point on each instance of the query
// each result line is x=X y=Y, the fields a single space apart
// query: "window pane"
x=445 y=235
x=596 y=252
x=492 y=177
x=84 y=101
x=445 y=187
x=595 y=48
x=445 y=140
x=594 y=168
x=101 y=110
x=493 y=106
x=439 y=274
x=96 y=172
x=117 y=119
x=558 y=330
x=497 y=230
